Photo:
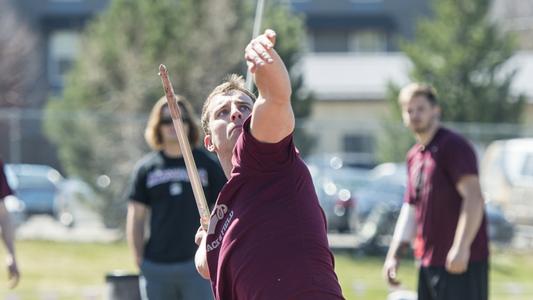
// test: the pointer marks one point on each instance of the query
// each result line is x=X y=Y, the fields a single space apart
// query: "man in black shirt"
x=160 y=188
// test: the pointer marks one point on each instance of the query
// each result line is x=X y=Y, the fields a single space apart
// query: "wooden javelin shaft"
x=185 y=147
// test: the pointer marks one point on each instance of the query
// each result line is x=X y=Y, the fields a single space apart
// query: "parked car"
x=376 y=232
x=15 y=207
x=36 y=186
x=507 y=177
x=386 y=183
x=500 y=229
x=76 y=201
x=336 y=186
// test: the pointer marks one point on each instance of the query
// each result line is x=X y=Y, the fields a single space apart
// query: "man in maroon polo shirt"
x=267 y=234
x=444 y=208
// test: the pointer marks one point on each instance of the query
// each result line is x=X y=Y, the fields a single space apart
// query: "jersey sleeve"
x=263 y=157
x=137 y=190
x=459 y=159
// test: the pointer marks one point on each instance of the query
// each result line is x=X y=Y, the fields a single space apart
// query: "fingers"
x=392 y=278
x=200 y=235
x=261 y=47
x=271 y=35
x=457 y=261
x=257 y=53
x=390 y=270
x=456 y=267
x=200 y=260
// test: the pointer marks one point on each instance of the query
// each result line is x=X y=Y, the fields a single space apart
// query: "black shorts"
x=435 y=283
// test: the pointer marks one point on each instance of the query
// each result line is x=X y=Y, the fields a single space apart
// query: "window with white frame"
x=368 y=40
x=63 y=47
x=360 y=143
x=330 y=41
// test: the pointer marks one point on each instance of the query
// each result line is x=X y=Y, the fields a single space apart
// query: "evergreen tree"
x=99 y=121
x=18 y=58
x=462 y=53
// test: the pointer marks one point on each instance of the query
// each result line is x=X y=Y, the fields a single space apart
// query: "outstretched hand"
x=200 y=235
x=258 y=52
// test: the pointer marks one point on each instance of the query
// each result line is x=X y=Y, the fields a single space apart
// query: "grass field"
x=61 y=271
x=511 y=276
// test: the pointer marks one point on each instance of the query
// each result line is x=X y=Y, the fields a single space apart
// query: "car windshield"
x=35 y=176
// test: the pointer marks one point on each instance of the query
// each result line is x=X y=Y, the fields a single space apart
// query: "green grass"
x=510 y=276
x=65 y=270
x=76 y=271
x=360 y=277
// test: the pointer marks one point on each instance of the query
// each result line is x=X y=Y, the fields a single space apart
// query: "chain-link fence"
x=23 y=139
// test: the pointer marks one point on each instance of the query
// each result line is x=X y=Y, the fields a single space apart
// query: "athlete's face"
x=419 y=114
x=227 y=113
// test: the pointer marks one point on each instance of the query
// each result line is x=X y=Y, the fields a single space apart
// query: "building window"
x=358 y=143
x=368 y=41
x=363 y=41
x=330 y=41
x=63 y=47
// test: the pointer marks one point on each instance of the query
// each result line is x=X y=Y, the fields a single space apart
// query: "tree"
x=98 y=122
x=18 y=65
x=462 y=54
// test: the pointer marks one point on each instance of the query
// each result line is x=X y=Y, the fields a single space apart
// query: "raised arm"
x=272 y=115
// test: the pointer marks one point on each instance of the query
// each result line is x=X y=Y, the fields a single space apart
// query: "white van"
x=507 y=177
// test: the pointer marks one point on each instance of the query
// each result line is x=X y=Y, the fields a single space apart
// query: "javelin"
x=175 y=113
x=255 y=32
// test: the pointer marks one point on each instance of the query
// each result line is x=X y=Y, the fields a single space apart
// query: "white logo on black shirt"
x=175 y=189
x=157 y=177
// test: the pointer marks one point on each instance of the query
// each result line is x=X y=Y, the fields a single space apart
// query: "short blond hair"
x=416 y=89
x=233 y=82
x=152 y=133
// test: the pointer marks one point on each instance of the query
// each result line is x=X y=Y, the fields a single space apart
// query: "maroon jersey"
x=267 y=235
x=433 y=173
x=5 y=190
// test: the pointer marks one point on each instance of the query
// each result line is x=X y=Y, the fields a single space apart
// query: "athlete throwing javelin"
x=267 y=234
